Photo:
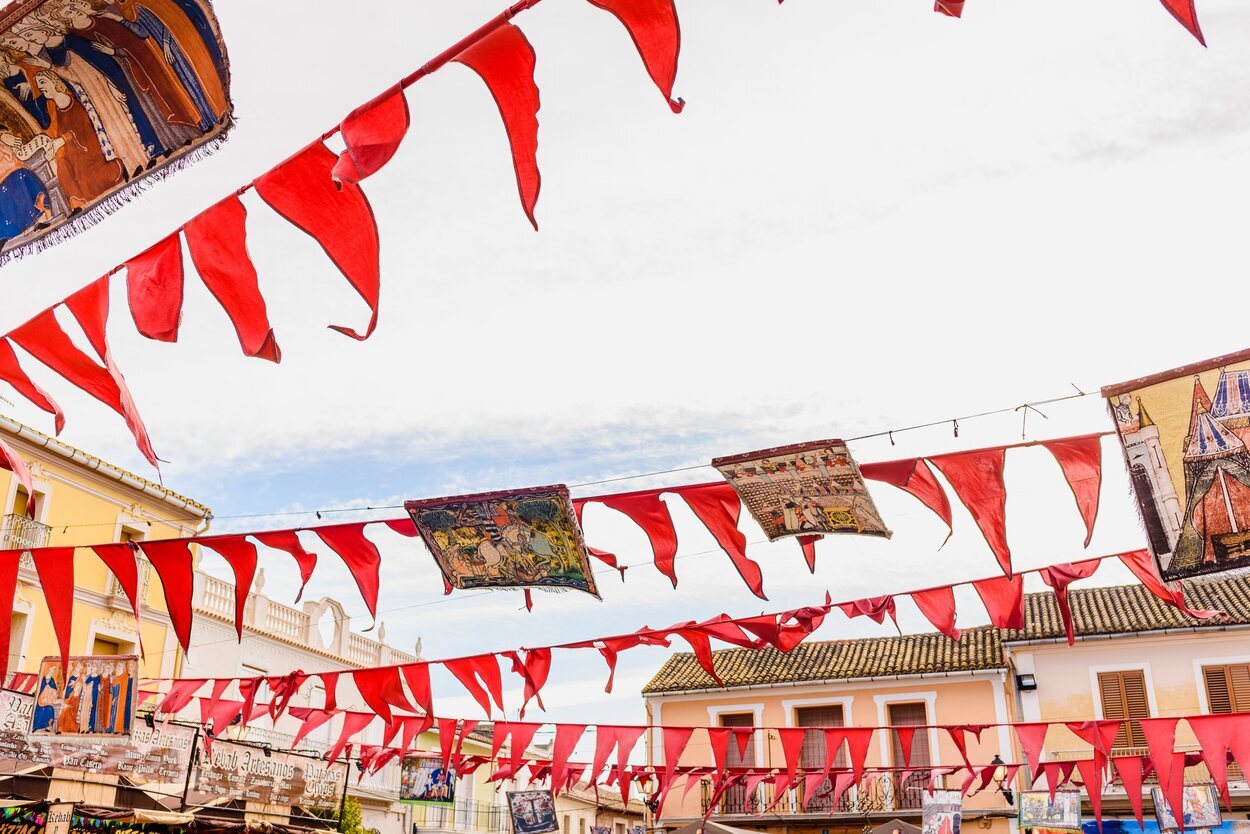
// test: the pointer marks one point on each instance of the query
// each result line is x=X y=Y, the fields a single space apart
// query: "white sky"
x=868 y=216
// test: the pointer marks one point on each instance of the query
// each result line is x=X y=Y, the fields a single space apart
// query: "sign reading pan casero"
x=239 y=772
x=159 y=755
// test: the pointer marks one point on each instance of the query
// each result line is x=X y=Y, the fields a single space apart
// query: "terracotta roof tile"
x=1121 y=609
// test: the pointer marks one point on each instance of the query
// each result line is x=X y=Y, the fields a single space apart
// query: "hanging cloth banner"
x=526 y=538
x=803 y=490
x=1184 y=434
x=99 y=102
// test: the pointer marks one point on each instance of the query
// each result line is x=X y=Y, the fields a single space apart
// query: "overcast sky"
x=869 y=216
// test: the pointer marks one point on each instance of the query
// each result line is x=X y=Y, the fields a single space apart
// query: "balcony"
x=883 y=794
x=21 y=533
x=1194 y=775
x=462 y=816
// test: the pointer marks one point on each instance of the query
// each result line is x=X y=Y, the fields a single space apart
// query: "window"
x=736 y=800
x=568 y=828
x=144 y=567
x=1228 y=688
x=620 y=828
x=812 y=753
x=105 y=647
x=581 y=825
x=907 y=715
x=17 y=636
x=1123 y=696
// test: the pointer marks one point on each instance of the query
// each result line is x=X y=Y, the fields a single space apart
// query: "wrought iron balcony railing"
x=880 y=793
x=21 y=533
x=462 y=816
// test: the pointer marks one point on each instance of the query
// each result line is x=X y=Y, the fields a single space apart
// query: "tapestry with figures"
x=804 y=490
x=515 y=539
x=98 y=98
x=1184 y=434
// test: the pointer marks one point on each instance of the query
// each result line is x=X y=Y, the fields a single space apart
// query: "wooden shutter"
x=904 y=715
x=1228 y=688
x=812 y=754
x=1123 y=696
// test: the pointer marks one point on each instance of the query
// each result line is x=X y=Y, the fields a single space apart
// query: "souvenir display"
x=92 y=695
x=514 y=539
x=1184 y=434
x=809 y=489
x=533 y=812
x=98 y=97
x=1039 y=810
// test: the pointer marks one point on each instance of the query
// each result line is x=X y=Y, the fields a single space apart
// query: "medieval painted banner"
x=160 y=755
x=99 y=97
x=93 y=695
x=1184 y=434
x=230 y=771
x=533 y=812
x=1039 y=810
x=514 y=539
x=423 y=780
x=807 y=489
x=1201 y=809
x=941 y=812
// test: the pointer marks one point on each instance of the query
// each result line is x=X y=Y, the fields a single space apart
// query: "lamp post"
x=1000 y=777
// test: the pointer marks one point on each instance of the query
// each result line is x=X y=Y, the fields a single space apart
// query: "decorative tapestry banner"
x=1184 y=433
x=526 y=538
x=99 y=97
x=808 y=489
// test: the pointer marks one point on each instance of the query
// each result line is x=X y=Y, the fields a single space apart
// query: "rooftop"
x=33 y=437
x=1121 y=609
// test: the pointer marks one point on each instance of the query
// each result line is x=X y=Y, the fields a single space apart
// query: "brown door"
x=910 y=789
x=812 y=754
x=736 y=800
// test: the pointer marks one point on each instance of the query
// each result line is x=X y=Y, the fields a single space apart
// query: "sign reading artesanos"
x=239 y=772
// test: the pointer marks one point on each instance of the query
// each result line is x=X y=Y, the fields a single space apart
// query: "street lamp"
x=1000 y=776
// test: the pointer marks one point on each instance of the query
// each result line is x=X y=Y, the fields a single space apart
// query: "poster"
x=59 y=818
x=232 y=771
x=808 y=489
x=516 y=539
x=533 y=812
x=93 y=695
x=159 y=755
x=424 y=781
x=1037 y=810
x=98 y=97
x=941 y=812
x=1184 y=434
x=1201 y=808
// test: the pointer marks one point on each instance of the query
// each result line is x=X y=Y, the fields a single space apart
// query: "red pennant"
x=567 y=736
x=1060 y=577
x=504 y=60
x=718 y=507
x=812 y=783
x=1143 y=567
x=522 y=735
x=372 y=133
x=468 y=670
x=653 y=26
x=55 y=566
x=154 y=283
x=12 y=373
x=361 y=557
x=718 y=739
x=1214 y=733
x=906 y=736
x=977 y=478
x=915 y=477
x=330 y=680
x=604 y=556
x=403 y=526
x=1186 y=15
x=447 y=738
x=120 y=560
x=938 y=606
x=608 y=737
x=381 y=689
x=338 y=216
x=950 y=8
x=43 y=338
x=288 y=540
x=1003 y=597
x=217 y=239
x=417 y=676
x=675 y=740
x=1160 y=736
x=874 y=608
x=1129 y=769
x=808 y=543
x=841 y=782
x=218 y=715
x=534 y=671
x=9 y=560
x=651 y=514
x=857 y=741
x=241 y=556
x=1099 y=735
x=353 y=723
x=792 y=748
x=1080 y=458
x=180 y=694
x=1091 y=775
x=1032 y=737
x=172 y=561
x=12 y=461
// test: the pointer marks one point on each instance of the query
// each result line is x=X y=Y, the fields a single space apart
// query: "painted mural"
x=86 y=696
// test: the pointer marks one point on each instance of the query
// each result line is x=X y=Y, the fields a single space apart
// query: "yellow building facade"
x=80 y=500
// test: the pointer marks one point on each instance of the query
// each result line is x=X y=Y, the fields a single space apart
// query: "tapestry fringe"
x=118 y=199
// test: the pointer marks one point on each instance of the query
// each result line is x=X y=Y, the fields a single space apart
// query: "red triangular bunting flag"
x=653 y=26
x=977 y=478
x=372 y=133
x=154 y=281
x=651 y=514
x=1080 y=458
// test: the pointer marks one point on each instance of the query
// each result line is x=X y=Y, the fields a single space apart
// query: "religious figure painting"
x=515 y=539
x=92 y=695
x=1039 y=810
x=97 y=97
x=1184 y=434
x=808 y=489
x=533 y=812
x=1201 y=808
x=941 y=812
x=423 y=780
